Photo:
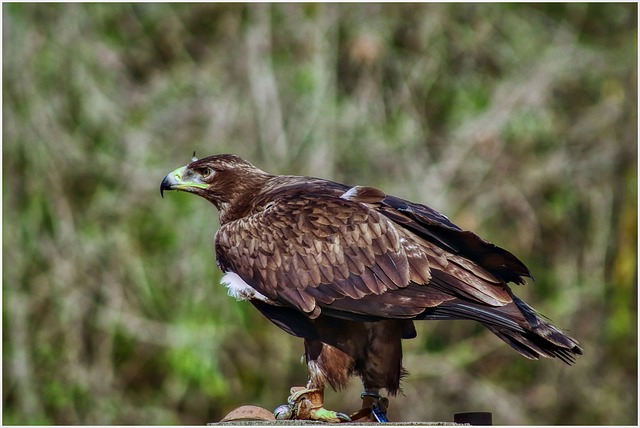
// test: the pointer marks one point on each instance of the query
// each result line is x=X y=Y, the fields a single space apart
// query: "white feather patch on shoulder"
x=364 y=194
x=236 y=287
x=351 y=193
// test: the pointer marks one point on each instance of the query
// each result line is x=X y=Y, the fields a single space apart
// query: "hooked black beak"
x=172 y=181
x=165 y=185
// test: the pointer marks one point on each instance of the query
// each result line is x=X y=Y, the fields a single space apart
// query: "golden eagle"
x=349 y=269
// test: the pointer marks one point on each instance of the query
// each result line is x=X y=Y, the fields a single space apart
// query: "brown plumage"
x=350 y=268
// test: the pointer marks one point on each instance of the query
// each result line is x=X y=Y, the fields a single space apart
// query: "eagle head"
x=224 y=180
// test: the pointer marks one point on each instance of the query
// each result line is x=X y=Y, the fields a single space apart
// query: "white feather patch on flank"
x=236 y=287
x=316 y=374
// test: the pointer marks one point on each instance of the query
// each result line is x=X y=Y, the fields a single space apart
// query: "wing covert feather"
x=304 y=250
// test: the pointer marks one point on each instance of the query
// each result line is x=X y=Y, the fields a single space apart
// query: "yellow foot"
x=307 y=404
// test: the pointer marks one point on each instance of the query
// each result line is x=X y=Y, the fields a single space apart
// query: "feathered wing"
x=313 y=252
x=363 y=255
x=437 y=229
x=471 y=259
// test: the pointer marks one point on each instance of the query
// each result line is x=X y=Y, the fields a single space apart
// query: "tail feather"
x=546 y=330
x=534 y=346
x=517 y=324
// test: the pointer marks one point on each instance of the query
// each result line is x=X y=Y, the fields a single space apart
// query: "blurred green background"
x=517 y=121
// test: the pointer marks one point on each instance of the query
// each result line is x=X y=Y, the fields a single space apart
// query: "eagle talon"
x=378 y=405
x=307 y=404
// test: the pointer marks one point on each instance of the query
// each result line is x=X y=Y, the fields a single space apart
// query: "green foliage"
x=518 y=121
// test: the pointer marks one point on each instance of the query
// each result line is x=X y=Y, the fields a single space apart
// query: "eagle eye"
x=207 y=173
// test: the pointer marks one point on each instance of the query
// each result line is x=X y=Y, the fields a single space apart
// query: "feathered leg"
x=382 y=368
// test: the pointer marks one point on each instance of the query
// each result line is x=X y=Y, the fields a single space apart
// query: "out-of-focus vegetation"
x=517 y=121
